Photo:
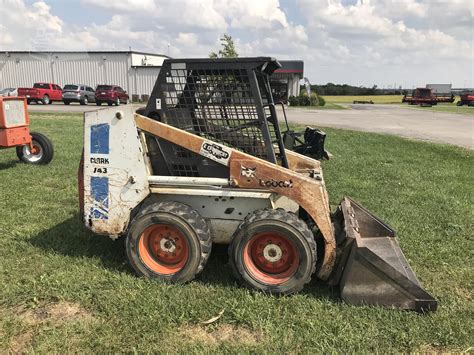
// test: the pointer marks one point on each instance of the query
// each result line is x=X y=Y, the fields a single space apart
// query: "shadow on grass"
x=71 y=238
x=9 y=164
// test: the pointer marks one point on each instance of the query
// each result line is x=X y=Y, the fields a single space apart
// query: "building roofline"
x=94 y=52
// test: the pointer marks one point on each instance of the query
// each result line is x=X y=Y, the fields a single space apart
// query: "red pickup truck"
x=42 y=92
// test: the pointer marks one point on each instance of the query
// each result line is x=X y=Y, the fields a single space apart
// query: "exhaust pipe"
x=371 y=268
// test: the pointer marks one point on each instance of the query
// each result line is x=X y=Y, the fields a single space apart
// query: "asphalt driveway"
x=450 y=128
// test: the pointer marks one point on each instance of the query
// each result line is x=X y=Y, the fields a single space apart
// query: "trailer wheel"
x=273 y=251
x=42 y=151
x=168 y=241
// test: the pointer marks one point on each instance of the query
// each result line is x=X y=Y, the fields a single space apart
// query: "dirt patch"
x=215 y=335
x=20 y=343
x=56 y=313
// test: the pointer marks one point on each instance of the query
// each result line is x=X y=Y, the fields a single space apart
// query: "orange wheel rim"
x=270 y=258
x=163 y=249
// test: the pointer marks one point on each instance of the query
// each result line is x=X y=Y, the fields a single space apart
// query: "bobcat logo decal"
x=248 y=172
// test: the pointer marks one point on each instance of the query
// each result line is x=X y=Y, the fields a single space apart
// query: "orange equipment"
x=31 y=147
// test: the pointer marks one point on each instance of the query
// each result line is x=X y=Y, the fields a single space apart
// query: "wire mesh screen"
x=218 y=104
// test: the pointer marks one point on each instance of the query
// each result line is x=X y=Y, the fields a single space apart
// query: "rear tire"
x=43 y=150
x=168 y=241
x=273 y=251
x=98 y=103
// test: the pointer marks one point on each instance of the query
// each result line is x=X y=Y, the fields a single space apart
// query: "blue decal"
x=100 y=194
x=100 y=138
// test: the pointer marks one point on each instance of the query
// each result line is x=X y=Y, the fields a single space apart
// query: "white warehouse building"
x=135 y=72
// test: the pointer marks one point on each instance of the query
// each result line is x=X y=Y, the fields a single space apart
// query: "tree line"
x=344 y=89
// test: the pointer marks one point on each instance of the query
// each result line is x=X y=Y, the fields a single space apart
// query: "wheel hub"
x=271 y=257
x=167 y=244
x=165 y=247
x=33 y=154
x=272 y=253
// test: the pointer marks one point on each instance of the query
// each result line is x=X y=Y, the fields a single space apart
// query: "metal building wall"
x=23 y=69
x=144 y=79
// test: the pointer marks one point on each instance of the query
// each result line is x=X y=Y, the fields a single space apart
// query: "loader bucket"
x=371 y=268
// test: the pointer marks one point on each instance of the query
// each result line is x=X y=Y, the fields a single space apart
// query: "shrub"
x=322 y=102
x=293 y=101
x=314 y=100
x=304 y=100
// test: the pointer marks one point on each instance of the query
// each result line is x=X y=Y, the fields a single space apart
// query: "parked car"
x=111 y=94
x=45 y=93
x=8 y=92
x=78 y=93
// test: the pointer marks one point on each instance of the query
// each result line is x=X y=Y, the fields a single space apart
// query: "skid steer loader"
x=205 y=163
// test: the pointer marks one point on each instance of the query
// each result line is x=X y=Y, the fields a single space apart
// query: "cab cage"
x=228 y=101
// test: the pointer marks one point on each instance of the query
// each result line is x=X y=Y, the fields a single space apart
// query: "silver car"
x=78 y=93
x=8 y=92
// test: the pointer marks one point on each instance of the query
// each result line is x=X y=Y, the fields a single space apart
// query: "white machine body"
x=117 y=178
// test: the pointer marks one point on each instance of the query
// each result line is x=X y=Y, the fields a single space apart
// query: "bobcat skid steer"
x=205 y=162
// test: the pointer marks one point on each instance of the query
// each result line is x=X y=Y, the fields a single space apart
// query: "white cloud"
x=360 y=43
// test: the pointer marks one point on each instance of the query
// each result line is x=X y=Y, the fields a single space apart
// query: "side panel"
x=115 y=175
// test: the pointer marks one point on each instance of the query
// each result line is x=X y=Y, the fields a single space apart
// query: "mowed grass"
x=450 y=108
x=377 y=99
x=327 y=106
x=64 y=289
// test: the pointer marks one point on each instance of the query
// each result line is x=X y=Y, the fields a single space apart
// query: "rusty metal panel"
x=115 y=173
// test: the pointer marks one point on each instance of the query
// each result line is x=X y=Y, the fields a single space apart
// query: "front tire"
x=273 y=251
x=84 y=101
x=117 y=102
x=168 y=241
x=42 y=152
x=45 y=100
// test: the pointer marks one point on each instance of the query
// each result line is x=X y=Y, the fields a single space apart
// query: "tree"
x=228 y=49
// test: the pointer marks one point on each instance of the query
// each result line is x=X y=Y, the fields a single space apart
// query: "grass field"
x=66 y=290
x=327 y=106
x=377 y=99
x=450 y=108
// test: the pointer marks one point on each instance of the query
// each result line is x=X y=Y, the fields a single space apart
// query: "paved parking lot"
x=58 y=107
x=451 y=128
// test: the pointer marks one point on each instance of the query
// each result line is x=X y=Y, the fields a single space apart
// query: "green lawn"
x=66 y=290
x=327 y=106
x=450 y=108
x=377 y=99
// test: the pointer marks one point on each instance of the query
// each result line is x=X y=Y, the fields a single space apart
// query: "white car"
x=8 y=92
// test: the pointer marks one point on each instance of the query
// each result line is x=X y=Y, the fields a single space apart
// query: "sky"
x=388 y=43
